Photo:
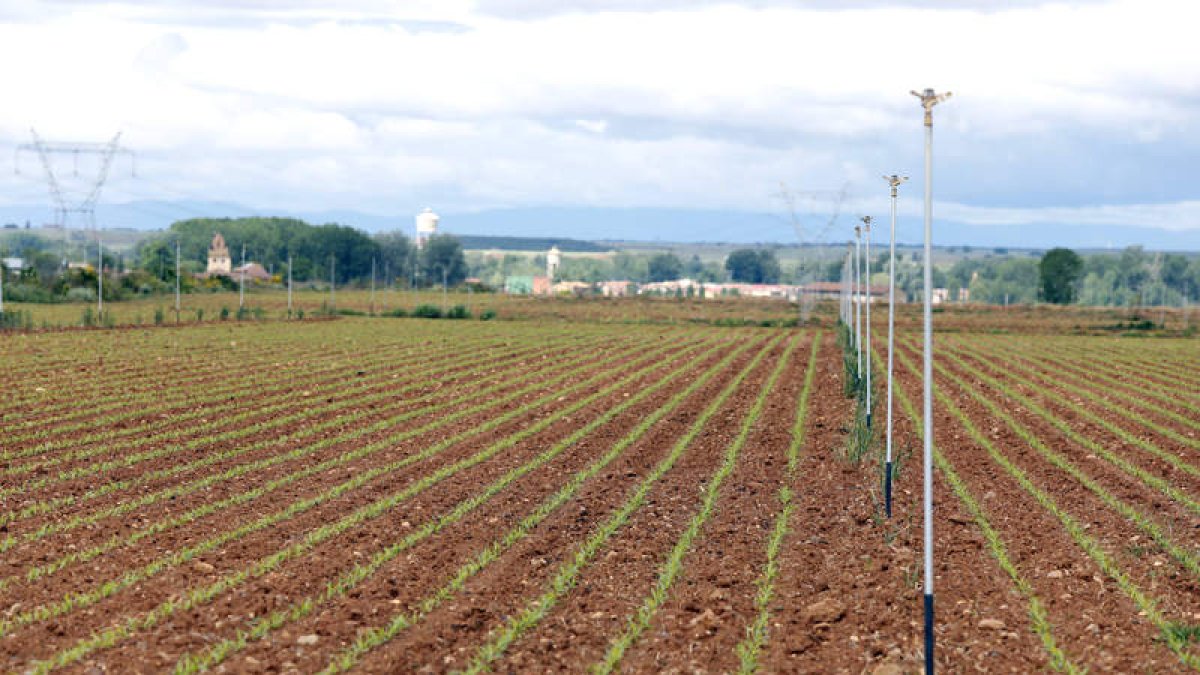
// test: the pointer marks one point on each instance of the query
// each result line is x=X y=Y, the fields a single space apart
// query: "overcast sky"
x=1070 y=114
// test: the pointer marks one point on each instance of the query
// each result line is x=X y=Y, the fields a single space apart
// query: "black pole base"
x=887 y=489
x=868 y=420
x=928 y=634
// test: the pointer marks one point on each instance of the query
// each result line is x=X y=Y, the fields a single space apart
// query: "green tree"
x=747 y=265
x=396 y=256
x=665 y=267
x=443 y=255
x=1058 y=271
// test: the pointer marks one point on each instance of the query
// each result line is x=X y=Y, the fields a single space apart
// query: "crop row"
x=495 y=395
x=188 y=399
x=999 y=405
x=650 y=360
x=312 y=422
x=568 y=573
x=348 y=581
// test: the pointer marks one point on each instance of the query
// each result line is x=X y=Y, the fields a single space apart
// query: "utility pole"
x=928 y=100
x=332 y=282
x=372 y=286
x=894 y=181
x=177 y=268
x=289 y=285
x=867 y=285
x=242 y=280
x=445 y=306
x=99 y=278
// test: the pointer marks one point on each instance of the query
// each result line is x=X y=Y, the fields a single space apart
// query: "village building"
x=616 y=289
x=219 y=262
x=575 y=288
x=252 y=271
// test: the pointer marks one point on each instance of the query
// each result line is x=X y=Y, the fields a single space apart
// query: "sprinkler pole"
x=894 y=181
x=928 y=100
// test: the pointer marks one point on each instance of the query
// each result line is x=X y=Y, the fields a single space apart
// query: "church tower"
x=218 y=257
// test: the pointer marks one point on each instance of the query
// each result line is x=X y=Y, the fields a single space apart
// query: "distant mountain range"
x=635 y=224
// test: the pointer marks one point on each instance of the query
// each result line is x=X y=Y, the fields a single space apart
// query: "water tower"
x=553 y=258
x=427 y=222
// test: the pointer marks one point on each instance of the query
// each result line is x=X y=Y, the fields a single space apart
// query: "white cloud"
x=707 y=105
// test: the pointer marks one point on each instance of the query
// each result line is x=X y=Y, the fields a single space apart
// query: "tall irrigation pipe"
x=857 y=299
x=867 y=298
x=928 y=100
x=894 y=181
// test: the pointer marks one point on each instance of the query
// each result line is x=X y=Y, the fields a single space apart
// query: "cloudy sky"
x=1066 y=116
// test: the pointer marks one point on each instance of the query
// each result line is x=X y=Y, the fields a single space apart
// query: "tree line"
x=318 y=254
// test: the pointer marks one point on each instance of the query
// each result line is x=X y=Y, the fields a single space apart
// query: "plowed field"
x=404 y=495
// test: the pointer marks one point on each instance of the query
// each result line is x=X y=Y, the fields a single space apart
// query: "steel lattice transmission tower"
x=63 y=205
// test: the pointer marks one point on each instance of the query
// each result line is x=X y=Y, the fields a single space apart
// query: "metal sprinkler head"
x=867 y=220
x=928 y=100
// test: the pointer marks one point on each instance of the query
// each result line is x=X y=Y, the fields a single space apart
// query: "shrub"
x=487 y=315
x=427 y=312
x=81 y=294
x=224 y=313
x=397 y=313
x=158 y=316
x=17 y=319
x=458 y=312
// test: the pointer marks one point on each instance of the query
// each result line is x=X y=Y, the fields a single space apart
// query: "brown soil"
x=847 y=598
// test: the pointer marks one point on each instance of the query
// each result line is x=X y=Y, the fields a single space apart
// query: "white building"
x=553 y=260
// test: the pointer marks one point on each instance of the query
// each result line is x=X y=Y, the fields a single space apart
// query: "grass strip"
x=673 y=566
x=110 y=636
x=350 y=580
x=564 y=580
x=758 y=631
